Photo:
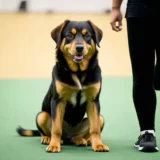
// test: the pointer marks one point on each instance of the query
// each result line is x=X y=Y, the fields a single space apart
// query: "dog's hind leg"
x=43 y=121
x=82 y=137
x=78 y=133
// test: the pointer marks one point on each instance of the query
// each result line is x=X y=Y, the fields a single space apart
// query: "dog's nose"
x=79 y=48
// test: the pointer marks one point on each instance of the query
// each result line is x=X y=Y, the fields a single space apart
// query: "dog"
x=74 y=90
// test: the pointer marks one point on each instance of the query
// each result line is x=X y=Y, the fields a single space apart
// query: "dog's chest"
x=77 y=94
x=85 y=94
x=78 y=98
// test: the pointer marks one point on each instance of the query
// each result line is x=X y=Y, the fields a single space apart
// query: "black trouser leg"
x=142 y=55
x=157 y=67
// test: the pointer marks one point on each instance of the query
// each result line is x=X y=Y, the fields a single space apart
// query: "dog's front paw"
x=100 y=148
x=53 y=148
x=79 y=141
x=45 y=140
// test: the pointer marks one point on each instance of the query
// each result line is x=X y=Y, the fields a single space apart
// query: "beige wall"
x=27 y=50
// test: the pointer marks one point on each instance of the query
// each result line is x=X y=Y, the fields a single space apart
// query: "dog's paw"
x=89 y=142
x=45 y=140
x=53 y=148
x=80 y=141
x=100 y=148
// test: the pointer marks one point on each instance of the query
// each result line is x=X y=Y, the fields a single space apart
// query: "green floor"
x=21 y=99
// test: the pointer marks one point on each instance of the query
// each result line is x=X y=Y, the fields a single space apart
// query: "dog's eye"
x=70 y=36
x=87 y=37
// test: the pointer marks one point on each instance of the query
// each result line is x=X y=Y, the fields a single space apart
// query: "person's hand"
x=116 y=19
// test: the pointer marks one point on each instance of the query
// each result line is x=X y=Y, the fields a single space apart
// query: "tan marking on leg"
x=56 y=132
x=44 y=122
x=90 y=92
x=80 y=132
x=79 y=141
x=95 y=126
x=87 y=136
x=45 y=140
x=76 y=133
x=101 y=121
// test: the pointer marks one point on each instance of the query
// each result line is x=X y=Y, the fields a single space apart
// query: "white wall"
x=9 y=5
x=72 y=5
x=60 y=5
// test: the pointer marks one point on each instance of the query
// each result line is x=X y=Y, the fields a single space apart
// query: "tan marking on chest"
x=90 y=92
x=69 y=93
x=77 y=81
x=65 y=91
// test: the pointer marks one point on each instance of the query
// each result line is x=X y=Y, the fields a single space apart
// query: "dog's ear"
x=97 y=31
x=56 y=33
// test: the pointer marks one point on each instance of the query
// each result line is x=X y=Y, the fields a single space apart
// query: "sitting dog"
x=74 y=90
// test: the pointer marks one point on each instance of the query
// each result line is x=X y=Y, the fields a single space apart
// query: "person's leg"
x=142 y=60
x=157 y=66
x=157 y=70
x=142 y=55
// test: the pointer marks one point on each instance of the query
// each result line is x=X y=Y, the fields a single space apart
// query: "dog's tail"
x=27 y=132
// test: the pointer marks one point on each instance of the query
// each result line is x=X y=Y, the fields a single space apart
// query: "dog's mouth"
x=77 y=58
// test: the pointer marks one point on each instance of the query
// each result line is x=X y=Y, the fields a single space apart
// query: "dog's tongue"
x=79 y=57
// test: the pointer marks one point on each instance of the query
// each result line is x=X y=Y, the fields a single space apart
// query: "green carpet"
x=21 y=99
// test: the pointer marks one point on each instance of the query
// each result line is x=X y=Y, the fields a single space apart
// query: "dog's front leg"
x=57 y=112
x=95 y=126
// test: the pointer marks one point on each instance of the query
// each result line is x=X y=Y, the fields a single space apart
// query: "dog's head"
x=77 y=39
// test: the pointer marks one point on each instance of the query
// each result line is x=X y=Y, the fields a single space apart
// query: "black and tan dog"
x=74 y=90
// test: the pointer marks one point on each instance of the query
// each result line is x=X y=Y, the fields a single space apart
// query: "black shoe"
x=147 y=143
